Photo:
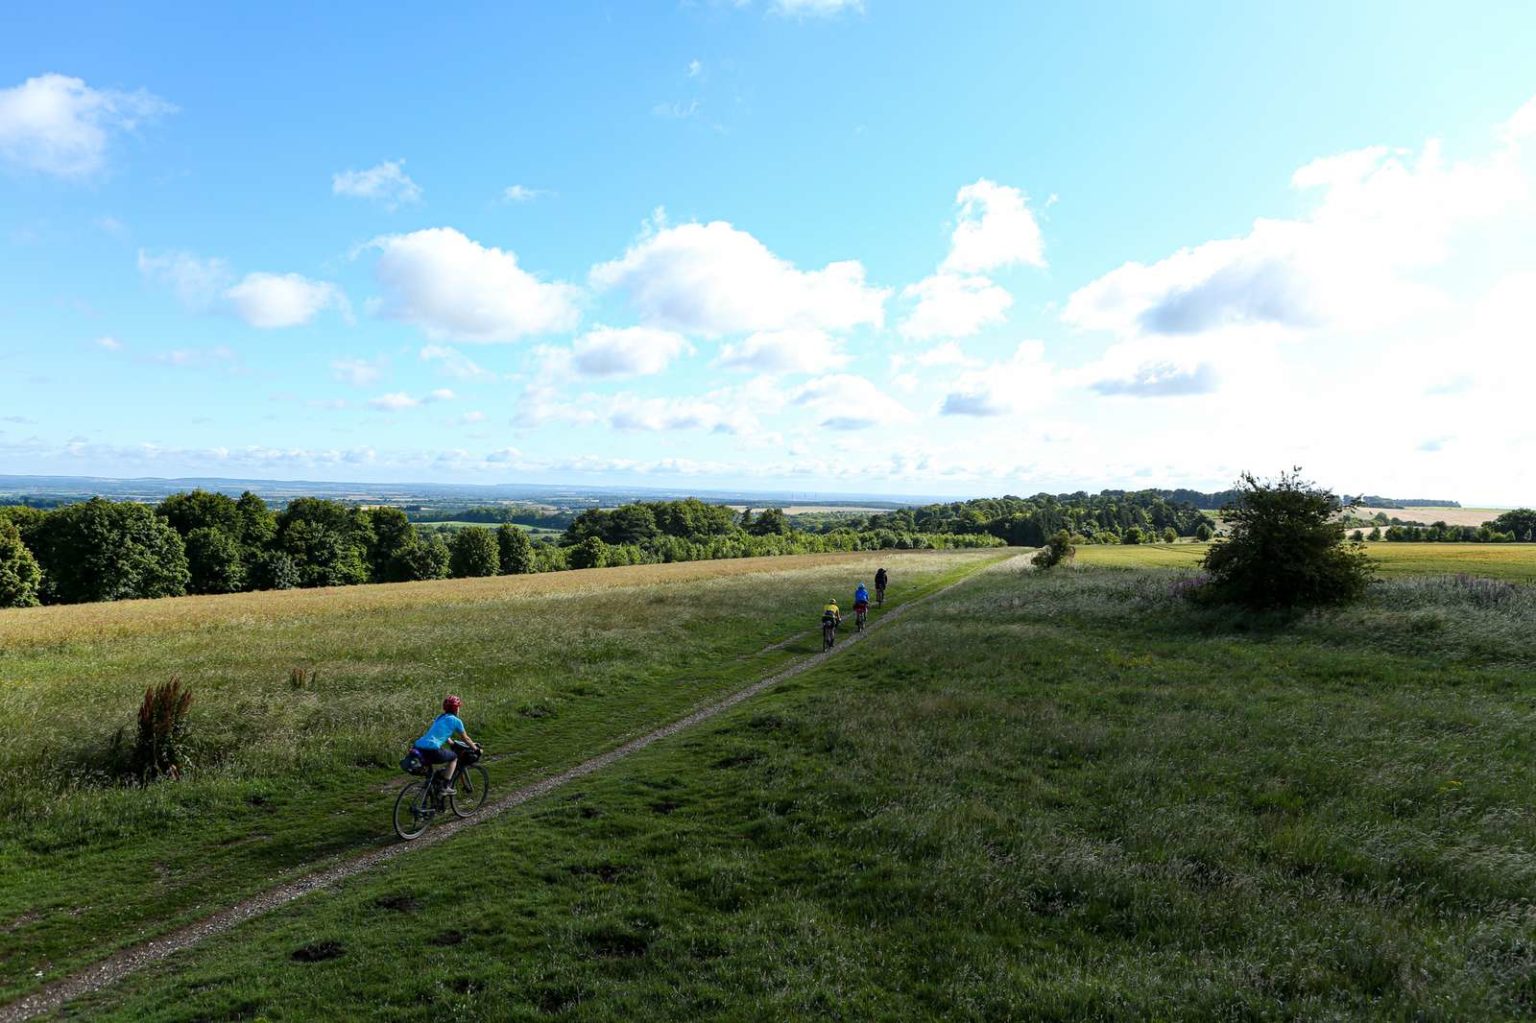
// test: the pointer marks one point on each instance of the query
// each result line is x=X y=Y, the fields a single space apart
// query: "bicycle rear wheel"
x=470 y=785
x=412 y=810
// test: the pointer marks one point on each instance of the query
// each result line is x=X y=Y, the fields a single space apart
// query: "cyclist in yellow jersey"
x=830 y=613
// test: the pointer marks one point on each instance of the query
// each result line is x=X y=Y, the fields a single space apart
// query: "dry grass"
x=1426 y=515
x=91 y=622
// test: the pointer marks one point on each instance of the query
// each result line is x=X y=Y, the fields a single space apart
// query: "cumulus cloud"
x=1382 y=215
x=994 y=229
x=456 y=289
x=1002 y=388
x=950 y=305
x=714 y=279
x=386 y=183
x=268 y=301
x=625 y=351
x=58 y=125
x=784 y=351
x=264 y=300
x=846 y=401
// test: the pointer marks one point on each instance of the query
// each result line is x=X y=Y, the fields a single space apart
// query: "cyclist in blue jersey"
x=435 y=747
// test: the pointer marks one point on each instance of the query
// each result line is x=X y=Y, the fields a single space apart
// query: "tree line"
x=203 y=542
x=1111 y=516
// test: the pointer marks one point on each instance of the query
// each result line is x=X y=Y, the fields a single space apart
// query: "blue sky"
x=873 y=247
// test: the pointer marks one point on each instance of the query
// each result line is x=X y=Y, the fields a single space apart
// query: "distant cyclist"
x=880 y=580
x=435 y=747
x=860 y=605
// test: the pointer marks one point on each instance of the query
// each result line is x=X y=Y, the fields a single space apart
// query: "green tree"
x=201 y=509
x=1204 y=532
x=1521 y=523
x=1374 y=534
x=1170 y=535
x=473 y=552
x=389 y=534
x=108 y=550
x=323 y=555
x=1132 y=535
x=516 y=550
x=19 y=574
x=214 y=563
x=590 y=553
x=257 y=523
x=771 y=522
x=1285 y=548
x=273 y=570
x=425 y=557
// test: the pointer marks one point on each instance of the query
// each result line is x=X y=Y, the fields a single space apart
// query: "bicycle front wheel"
x=471 y=785
x=412 y=813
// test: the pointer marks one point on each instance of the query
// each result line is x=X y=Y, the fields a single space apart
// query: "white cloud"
x=695 y=68
x=814 y=8
x=713 y=279
x=393 y=402
x=995 y=229
x=522 y=193
x=456 y=289
x=268 y=301
x=676 y=111
x=111 y=344
x=1019 y=382
x=58 y=125
x=197 y=283
x=398 y=401
x=947 y=354
x=628 y=412
x=385 y=182
x=358 y=372
x=949 y=305
x=626 y=351
x=1353 y=263
x=846 y=401
x=1521 y=125
x=784 y=351
x=454 y=362
x=1161 y=380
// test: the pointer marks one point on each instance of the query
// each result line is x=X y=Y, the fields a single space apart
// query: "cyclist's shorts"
x=828 y=620
x=861 y=606
x=436 y=756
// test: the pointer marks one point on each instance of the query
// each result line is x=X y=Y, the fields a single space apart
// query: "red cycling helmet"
x=451 y=704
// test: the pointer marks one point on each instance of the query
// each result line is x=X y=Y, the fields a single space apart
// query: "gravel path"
x=52 y=997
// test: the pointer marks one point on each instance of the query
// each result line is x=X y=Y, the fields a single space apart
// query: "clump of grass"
x=160 y=750
x=299 y=678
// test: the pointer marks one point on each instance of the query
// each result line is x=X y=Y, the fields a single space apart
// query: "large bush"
x=516 y=550
x=1285 y=548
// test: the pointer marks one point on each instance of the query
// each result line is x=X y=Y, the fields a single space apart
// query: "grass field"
x=553 y=668
x=1052 y=797
x=1509 y=562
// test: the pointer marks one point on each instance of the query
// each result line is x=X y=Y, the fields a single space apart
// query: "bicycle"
x=828 y=634
x=879 y=596
x=859 y=614
x=421 y=800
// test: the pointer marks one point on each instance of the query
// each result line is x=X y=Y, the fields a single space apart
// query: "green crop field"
x=553 y=668
x=1510 y=562
x=1063 y=796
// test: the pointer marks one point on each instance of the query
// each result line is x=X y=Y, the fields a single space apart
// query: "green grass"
x=1041 y=798
x=552 y=669
x=1509 y=562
